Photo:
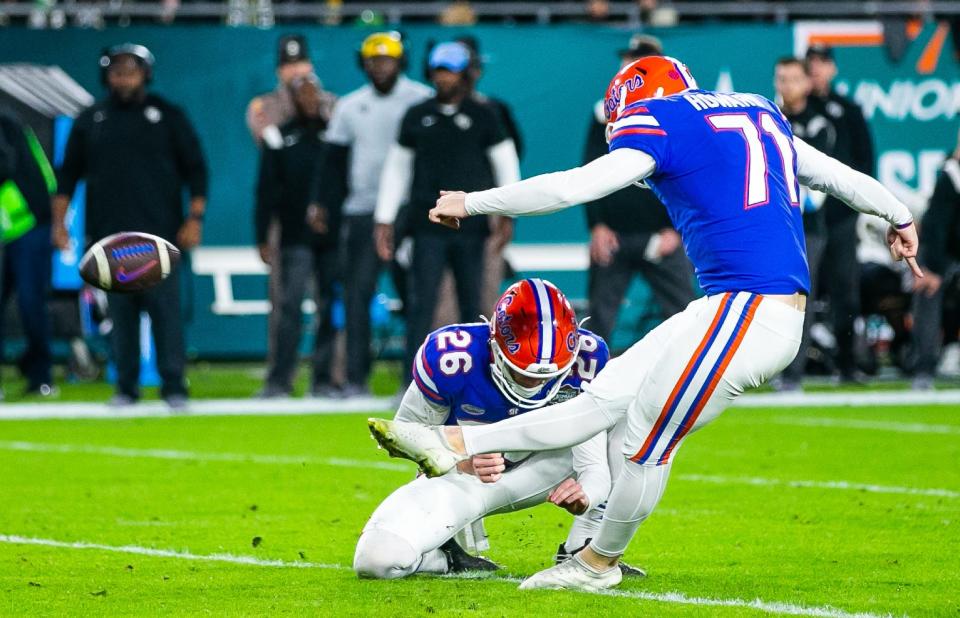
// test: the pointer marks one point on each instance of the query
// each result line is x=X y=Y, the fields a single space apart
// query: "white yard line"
x=12 y=539
x=853 y=423
x=116 y=451
x=366 y=405
x=846 y=485
x=772 y=607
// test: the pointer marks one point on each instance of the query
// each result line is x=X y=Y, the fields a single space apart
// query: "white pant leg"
x=586 y=526
x=420 y=516
x=720 y=348
x=603 y=403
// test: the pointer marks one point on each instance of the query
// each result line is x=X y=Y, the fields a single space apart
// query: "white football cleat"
x=573 y=574
x=420 y=444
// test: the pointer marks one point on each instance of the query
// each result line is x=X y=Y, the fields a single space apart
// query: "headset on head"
x=395 y=36
x=141 y=54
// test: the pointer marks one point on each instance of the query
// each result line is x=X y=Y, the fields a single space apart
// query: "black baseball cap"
x=821 y=51
x=641 y=45
x=292 y=48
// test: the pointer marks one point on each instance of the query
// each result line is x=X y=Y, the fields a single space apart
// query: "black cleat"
x=625 y=569
x=459 y=561
x=631 y=571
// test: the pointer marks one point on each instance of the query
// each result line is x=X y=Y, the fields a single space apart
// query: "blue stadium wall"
x=550 y=75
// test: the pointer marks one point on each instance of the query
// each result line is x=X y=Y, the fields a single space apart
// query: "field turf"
x=777 y=511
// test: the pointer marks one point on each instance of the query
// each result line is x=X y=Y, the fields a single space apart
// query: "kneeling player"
x=533 y=354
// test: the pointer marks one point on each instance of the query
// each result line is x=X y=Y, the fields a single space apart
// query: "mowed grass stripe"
x=874 y=425
x=116 y=451
x=773 y=607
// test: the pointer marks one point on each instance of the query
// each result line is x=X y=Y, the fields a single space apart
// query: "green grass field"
x=794 y=509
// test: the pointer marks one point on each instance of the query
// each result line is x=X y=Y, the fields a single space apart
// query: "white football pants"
x=403 y=534
x=672 y=382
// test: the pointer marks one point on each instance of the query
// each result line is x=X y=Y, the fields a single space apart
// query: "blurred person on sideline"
x=940 y=260
x=267 y=112
x=445 y=141
x=306 y=251
x=26 y=182
x=137 y=152
x=810 y=122
x=630 y=232
x=854 y=147
x=495 y=266
x=364 y=125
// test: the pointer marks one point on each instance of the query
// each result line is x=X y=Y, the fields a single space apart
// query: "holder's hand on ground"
x=488 y=467
x=450 y=209
x=904 y=245
x=569 y=495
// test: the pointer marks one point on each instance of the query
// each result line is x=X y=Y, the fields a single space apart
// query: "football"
x=128 y=262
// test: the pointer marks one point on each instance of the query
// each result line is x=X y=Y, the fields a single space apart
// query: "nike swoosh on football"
x=125 y=277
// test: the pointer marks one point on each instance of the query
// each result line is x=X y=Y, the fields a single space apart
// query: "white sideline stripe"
x=206 y=407
x=773 y=607
x=849 y=399
x=852 y=423
x=290 y=407
x=117 y=451
x=12 y=539
x=877 y=489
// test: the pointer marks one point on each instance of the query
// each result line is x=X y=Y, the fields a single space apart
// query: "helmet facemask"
x=502 y=371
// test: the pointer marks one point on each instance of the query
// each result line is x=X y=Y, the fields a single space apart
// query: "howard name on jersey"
x=726 y=170
x=452 y=369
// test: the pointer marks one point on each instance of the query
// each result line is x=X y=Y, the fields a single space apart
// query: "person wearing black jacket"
x=450 y=140
x=940 y=260
x=855 y=148
x=137 y=152
x=308 y=245
x=631 y=233
x=26 y=260
x=809 y=122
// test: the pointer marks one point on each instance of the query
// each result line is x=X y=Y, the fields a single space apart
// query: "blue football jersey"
x=727 y=174
x=452 y=368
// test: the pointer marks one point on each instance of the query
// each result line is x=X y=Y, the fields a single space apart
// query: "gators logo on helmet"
x=534 y=337
x=649 y=77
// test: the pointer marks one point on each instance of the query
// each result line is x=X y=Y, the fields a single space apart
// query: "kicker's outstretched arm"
x=548 y=193
x=862 y=193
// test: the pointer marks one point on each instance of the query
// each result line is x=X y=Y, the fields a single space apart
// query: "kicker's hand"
x=569 y=495
x=450 y=209
x=904 y=245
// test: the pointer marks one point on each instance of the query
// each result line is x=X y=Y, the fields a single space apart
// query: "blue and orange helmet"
x=534 y=334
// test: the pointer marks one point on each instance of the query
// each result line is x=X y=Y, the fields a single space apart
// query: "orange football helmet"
x=534 y=334
x=650 y=77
